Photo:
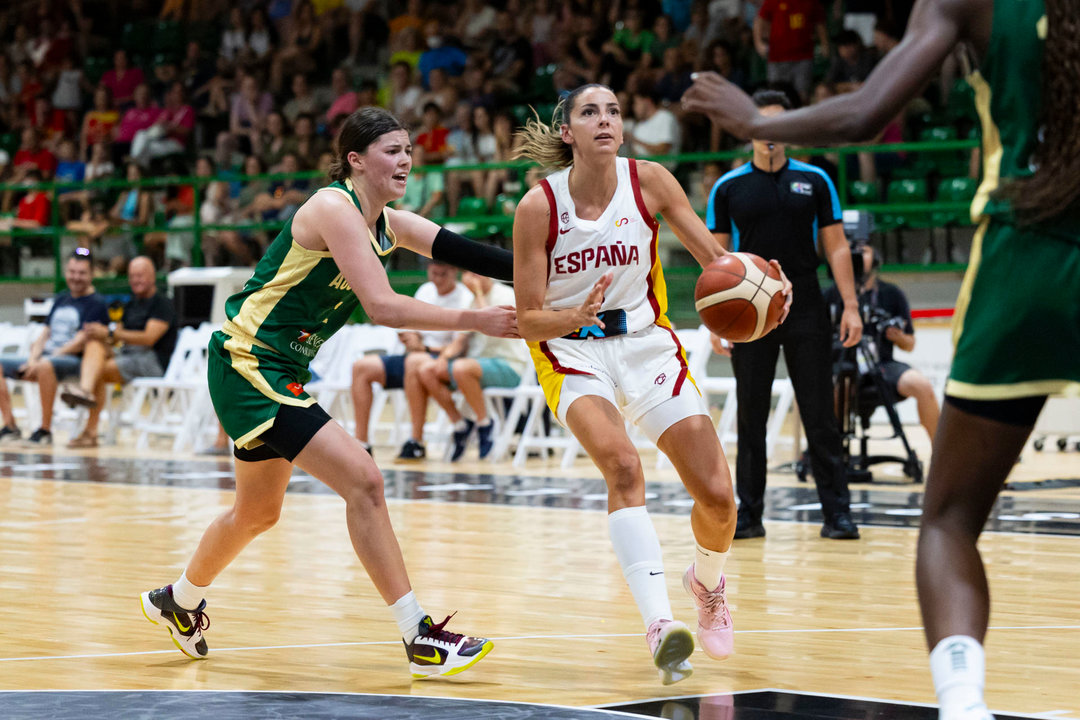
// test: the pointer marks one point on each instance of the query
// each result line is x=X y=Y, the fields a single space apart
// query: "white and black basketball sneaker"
x=436 y=651
x=185 y=626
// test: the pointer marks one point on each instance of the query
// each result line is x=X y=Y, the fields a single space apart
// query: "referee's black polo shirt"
x=776 y=215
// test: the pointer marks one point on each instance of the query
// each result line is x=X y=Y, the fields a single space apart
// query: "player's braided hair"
x=542 y=141
x=1056 y=184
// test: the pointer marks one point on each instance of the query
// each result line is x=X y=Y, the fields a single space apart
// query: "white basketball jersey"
x=623 y=239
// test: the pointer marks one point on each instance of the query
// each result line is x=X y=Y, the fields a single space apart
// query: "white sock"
x=484 y=423
x=709 y=567
x=408 y=614
x=638 y=550
x=460 y=425
x=958 y=665
x=187 y=595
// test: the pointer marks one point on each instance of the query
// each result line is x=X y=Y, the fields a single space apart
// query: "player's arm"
x=331 y=219
x=933 y=31
x=532 y=222
x=663 y=194
x=838 y=255
x=424 y=237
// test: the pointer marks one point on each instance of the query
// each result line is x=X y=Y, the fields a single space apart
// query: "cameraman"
x=888 y=323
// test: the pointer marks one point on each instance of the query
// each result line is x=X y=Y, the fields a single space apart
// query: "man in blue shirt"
x=57 y=352
x=779 y=209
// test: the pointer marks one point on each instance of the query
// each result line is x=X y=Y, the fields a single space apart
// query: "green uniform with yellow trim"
x=1017 y=323
x=296 y=299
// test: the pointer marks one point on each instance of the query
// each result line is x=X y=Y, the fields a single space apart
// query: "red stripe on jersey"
x=682 y=360
x=553 y=221
x=649 y=219
x=556 y=365
x=650 y=292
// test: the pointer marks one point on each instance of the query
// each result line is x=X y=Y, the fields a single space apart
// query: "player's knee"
x=365 y=491
x=622 y=468
x=256 y=519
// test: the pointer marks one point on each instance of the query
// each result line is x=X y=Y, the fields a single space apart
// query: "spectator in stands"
x=472 y=362
x=511 y=57
x=283 y=196
x=247 y=114
x=49 y=120
x=34 y=208
x=442 y=92
x=345 y=98
x=424 y=193
x=122 y=80
x=138 y=346
x=56 y=353
x=67 y=94
x=302 y=43
x=674 y=76
x=135 y=205
x=851 y=64
x=475 y=18
x=433 y=136
x=411 y=19
x=784 y=32
x=401 y=94
x=171 y=132
x=303 y=101
x=399 y=371
x=665 y=37
x=234 y=36
x=462 y=142
x=275 y=140
x=440 y=54
x=32 y=156
x=630 y=47
x=98 y=123
x=304 y=143
x=69 y=169
x=213 y=100
x=542 y=27
x=141 y=116
x=655 y=129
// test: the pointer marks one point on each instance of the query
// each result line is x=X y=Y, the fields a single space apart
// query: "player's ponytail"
x=542 y=141
x=1055 y=185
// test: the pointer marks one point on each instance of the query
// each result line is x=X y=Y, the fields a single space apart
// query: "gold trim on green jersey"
x=963 y=299
x=991 y=145
x=245 y=440
x=245 y=363
x=375 y=244
x=1011 y=391
x=298 y=262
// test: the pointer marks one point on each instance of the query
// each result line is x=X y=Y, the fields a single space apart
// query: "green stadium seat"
x=954 y=190
x=861 y=193
x=938 y=133
x=168 y=37
x=542 y=86
x=470 y=207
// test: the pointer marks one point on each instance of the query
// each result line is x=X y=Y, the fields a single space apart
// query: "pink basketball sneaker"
x=715 y=630
x=671 y=643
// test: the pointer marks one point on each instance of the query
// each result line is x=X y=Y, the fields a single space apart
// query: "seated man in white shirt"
x=399 y=371
x=472 y=362
x=655 y=130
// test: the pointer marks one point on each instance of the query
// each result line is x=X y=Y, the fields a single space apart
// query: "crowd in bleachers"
x=92 y=90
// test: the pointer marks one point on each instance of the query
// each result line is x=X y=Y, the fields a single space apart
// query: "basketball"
x=738 y=297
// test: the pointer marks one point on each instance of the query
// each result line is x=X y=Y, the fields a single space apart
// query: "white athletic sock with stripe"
x=408 y=614
x=958 y=665
x=709 y=567
x=638 y=550
x=187 y=595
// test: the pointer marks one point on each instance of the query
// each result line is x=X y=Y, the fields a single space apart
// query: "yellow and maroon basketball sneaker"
x=715 y=631
x=436 y=651
x=185 y=626
x=671 y=645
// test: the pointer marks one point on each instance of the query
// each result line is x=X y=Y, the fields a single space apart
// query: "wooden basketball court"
x=524 y=558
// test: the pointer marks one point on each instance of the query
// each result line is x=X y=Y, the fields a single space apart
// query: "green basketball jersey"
x=297 y=298
x=1008 y=97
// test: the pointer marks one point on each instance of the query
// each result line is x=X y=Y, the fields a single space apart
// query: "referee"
x=779 y=209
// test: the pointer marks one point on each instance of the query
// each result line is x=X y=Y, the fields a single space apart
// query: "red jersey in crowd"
x=792 y=26
x=34 y=206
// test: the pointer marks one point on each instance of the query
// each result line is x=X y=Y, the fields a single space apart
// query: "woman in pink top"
x=122 y=80
x=137 y=118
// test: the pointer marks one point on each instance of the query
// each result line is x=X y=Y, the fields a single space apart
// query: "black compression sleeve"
x=460 y=251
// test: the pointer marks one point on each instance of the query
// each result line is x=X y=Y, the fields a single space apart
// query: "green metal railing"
x=56 y=230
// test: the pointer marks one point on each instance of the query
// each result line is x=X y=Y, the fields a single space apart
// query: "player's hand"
x=788 y=291
x=498 y=321
x=722 y=101
x=589 y=311
x=28 y=371
x=894 y=334
x=720 y=346
x=472 y=281
x=850 y=327
x=95 y=330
